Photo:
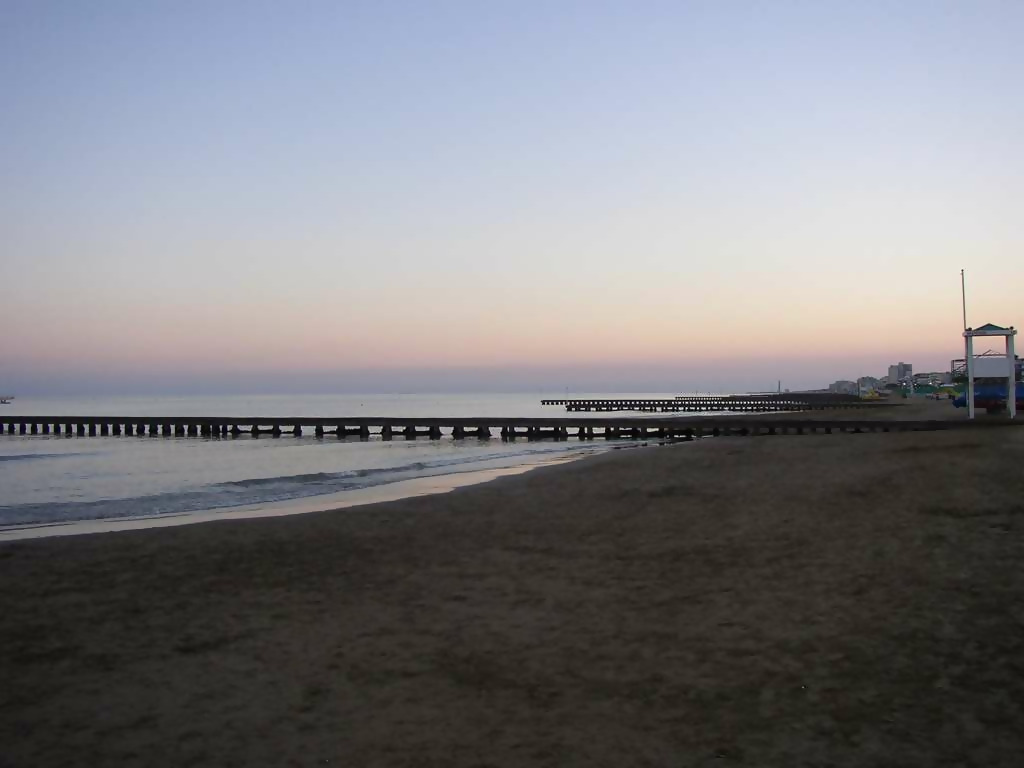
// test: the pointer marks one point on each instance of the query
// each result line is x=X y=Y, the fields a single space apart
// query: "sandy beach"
x=846 y=600
x=511 y=384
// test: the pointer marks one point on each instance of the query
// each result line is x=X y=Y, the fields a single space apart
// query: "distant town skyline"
x=451 y=196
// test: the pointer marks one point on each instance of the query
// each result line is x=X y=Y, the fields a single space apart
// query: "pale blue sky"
x=299 y=188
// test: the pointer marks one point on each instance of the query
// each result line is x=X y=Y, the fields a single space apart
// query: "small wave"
x=255 y=482
x=320 y=478
x=30 y=456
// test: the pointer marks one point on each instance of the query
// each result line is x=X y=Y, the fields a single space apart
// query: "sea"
x=50 y=485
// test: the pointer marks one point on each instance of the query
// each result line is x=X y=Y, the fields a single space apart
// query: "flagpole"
x=963 y=297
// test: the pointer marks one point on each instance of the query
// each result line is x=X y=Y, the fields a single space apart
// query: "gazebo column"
x=970 y=375
x=1011 y=388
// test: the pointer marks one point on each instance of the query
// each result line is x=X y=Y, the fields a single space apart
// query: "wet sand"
x=848 y=600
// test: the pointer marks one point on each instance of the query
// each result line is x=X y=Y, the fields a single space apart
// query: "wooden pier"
x=735 y=403
x=458 y=428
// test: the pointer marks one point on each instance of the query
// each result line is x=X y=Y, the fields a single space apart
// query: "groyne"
x=696 y=404
x=461 y=428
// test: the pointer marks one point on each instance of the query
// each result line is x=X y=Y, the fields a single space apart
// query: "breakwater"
x=457 y=428
x=736 y=403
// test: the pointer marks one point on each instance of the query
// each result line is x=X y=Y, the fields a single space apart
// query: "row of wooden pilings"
x=436 y=429
x=207 y=429
x=387 y=432
x=693 y=405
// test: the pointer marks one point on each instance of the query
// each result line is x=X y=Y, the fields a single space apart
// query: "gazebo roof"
x=990 y=329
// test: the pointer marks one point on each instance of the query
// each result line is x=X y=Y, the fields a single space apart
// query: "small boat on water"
x=6 y=399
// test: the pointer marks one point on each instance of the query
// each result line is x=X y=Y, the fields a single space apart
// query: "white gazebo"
x=1009 y=361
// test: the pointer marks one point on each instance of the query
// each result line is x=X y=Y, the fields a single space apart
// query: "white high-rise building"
x=899 y=372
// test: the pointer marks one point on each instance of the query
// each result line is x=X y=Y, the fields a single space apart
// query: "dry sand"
x=847 y=600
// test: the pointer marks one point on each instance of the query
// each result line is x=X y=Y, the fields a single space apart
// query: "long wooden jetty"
x=740 y=403
x=460 y=428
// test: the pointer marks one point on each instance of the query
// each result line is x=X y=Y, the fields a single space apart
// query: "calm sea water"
x=59 y=479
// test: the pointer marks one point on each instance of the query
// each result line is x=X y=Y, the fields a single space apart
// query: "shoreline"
x=329 y=502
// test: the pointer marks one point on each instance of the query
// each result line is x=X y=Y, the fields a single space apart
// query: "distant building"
x=900 y=372
x=843 y=387
x=935 y=378
x=867 y=384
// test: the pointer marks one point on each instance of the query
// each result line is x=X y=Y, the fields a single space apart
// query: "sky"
x=452 y=196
